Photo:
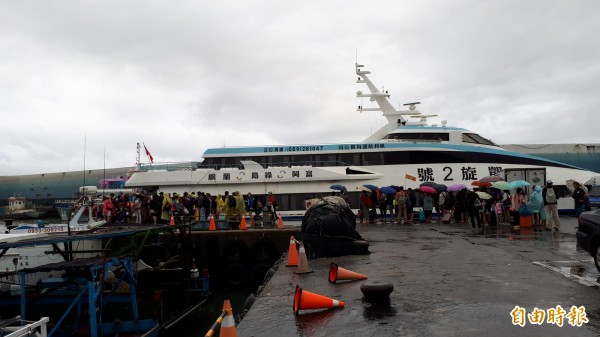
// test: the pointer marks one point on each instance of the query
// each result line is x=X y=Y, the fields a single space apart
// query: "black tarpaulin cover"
x=329 y=229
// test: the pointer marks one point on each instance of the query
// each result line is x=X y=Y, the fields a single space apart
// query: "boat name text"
x=343 y=147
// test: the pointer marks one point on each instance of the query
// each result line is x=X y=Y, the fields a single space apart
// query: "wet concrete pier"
x=449 y=280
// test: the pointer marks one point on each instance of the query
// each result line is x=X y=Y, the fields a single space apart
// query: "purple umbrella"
x=456 y=187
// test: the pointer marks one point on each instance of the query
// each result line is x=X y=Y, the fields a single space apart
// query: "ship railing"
x=192 y=166
x=16 y=327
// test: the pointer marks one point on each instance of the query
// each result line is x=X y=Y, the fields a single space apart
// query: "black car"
x=588 y=234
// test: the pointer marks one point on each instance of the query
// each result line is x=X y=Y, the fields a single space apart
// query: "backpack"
x=550 y=196
x=401 y=198
x=231 y=202
x=449 y=201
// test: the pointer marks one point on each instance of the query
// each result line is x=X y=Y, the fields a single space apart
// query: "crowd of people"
x=160 y=208
x=464 y=205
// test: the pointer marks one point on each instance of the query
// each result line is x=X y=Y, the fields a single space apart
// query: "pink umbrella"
x=427 y=189
x=456 y=187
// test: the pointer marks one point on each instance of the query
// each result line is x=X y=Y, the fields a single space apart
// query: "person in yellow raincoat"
x=239 y=205
x=165 y=214
x=220 y=206
x=230 y=210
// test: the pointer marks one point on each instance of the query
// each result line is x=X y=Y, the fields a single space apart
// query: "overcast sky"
x=185 y=76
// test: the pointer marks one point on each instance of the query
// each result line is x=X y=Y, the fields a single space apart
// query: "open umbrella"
x=491 y=179
x=371 y=187
x=518 y=183
x=341 y=188
x=456 y=187
x=427 y=189
x=362 y=188
x=397 y=188
x=483 y=195
x=502 y=185
x=387 y=190
x=480 y=183
x=428 y=183
x=440 y=187
x=571 y=187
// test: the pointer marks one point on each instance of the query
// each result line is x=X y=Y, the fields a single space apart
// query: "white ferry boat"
x=407 y=151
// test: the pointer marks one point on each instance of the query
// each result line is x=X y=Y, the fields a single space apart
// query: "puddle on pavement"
x=576 y=270
x=310 y=323
x=377 y=311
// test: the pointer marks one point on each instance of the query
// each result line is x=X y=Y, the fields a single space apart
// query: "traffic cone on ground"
x=292 y=253
x=306 y=300
x=279 y=222
x=243 y=225
x=172 y=222
x=338 y=273
x=212 y=226
x=302 y=261
x=228 y=328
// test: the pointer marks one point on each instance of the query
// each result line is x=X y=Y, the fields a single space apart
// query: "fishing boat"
x=20 y=208
x=67 y=208
x=72 y=226
x=406 y=151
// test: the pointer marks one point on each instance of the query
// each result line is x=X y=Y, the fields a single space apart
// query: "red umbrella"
x=491 y=179
x=427 y=189
x=480 y=183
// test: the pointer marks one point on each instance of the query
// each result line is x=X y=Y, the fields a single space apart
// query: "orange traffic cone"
x=302 y=262
x=292 y=253
x=279 y=222
x=243 y=225
x=172 y=222
x=338 y=273
x=306 y=300
x=228 y=328
x=212 y=226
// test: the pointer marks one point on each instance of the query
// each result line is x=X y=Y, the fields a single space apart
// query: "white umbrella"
x=483 y=195
x=571 y=186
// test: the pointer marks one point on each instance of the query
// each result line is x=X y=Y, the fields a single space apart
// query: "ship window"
x=349 y=159
x=372 y=158
x=476 y=139
x=419 y=136
x=302 y=159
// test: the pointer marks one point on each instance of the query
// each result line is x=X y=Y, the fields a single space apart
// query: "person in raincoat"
x=165 y=215
x=230 y=206
x=240 y=205
x=535 y=204
x=220 y=205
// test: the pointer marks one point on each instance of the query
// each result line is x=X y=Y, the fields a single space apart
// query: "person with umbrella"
x=579 y=197
x=365 y=206
x=401 y=200
x=473 y=205
x=551 y=206
x=428 y=206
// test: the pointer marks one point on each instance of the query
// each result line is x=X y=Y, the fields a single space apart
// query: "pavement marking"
x=579 y=279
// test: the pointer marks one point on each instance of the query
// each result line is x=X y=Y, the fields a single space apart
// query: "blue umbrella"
x=440 y=187
x=338 y=188
x=519 y=183
x=387 y=190
x=371 y=187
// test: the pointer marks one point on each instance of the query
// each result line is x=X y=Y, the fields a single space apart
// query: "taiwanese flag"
x=148 y=154
x=413 y=178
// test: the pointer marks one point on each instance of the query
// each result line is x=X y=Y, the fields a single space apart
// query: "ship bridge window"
x=419 y=136
x=474 y=138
